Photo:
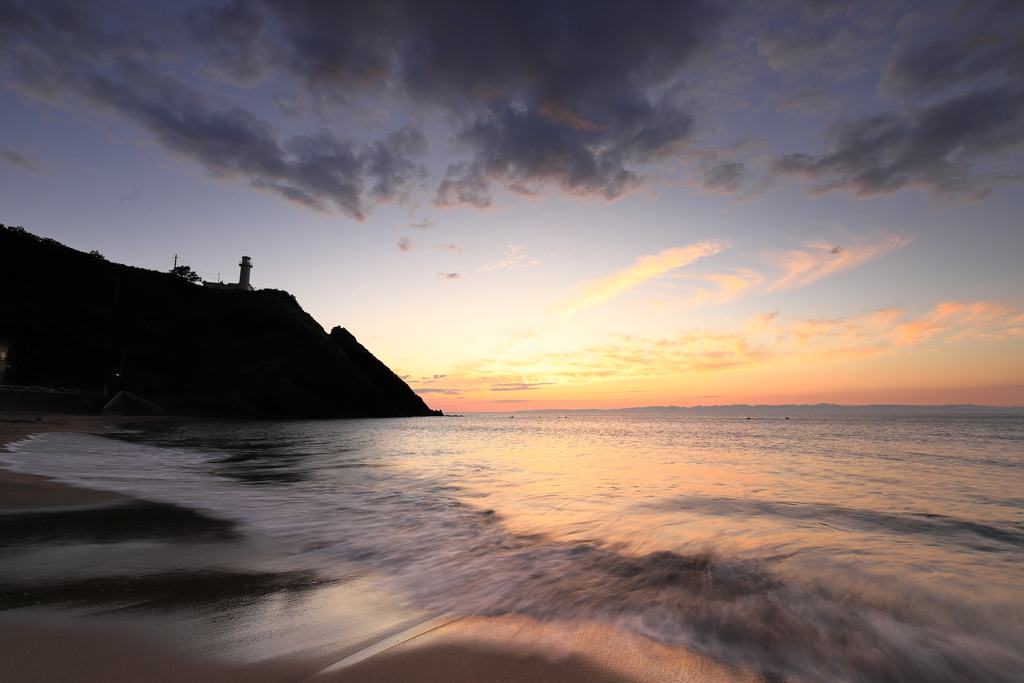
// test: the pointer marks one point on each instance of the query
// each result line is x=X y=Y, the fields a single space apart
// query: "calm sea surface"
x=821 y=548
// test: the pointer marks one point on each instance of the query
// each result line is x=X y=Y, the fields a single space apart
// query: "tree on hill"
x=186 y=273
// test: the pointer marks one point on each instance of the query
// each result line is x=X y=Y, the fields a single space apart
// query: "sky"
x=558 y=204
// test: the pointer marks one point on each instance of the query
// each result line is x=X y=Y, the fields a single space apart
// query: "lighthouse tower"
x=243 y=276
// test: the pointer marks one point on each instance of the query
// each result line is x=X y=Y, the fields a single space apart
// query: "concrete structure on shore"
x=243 y=278
x=4 y=350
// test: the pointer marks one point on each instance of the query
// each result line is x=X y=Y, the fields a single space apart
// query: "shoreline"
x=28 y=491
x=61 y=641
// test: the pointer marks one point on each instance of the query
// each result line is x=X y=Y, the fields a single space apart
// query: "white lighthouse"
x=243 y=276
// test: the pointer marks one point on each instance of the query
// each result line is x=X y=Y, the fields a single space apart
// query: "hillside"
x=78 y=321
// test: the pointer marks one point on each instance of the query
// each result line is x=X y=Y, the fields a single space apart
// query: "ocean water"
x=818 y=548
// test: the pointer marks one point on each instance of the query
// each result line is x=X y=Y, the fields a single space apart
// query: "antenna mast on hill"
x=175 y=261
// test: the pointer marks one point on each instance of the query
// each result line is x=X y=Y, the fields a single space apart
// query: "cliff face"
x=78 y=321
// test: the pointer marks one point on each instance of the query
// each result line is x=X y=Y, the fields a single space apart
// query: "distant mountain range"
x=793 y=409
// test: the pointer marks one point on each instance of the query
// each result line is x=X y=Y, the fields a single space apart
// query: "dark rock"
x=79 y=322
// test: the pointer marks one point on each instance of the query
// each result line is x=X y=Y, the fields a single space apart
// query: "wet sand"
x=100 y=587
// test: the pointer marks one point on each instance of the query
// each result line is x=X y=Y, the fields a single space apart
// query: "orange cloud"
x=645 y=268
x=800 y=267
x=981 y=318
x=821 y=260
x=764 y=339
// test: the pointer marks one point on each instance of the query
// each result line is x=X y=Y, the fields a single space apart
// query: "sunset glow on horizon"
x=559 y=205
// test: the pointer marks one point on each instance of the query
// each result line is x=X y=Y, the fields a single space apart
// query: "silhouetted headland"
x=81 y=329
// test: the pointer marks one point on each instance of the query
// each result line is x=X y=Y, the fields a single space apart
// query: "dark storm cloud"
x=579 y=97
x=725 y=177
x=55 y=50
x=230 y=33
x=933 y=147
x=961 y=79
x=529 y=150
x=549 y=94
x=317 y=170
x=563 y=53
x=987 y=49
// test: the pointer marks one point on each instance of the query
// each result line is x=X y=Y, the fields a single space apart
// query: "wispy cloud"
x=820 y=259
x=450 y=276
x=723 y=287
x=515 y=257
x=405 y=244
x=645 y=268
x=20 y=162
x=518 y=386
x=449 y=247
x=763 y=340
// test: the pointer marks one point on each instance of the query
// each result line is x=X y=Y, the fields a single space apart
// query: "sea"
x=808 y=547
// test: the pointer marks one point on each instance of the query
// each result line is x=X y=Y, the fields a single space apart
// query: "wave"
x=737 y=610
x=449 y=556
x=944 y=527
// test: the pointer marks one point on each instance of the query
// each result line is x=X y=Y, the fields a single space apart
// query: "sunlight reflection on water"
x=798 y=545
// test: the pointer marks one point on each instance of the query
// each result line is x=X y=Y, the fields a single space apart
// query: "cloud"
x=642 y=270
x=725 y=287
x=724 y=177
x=449 y=276
x=317 y=170
x=978 y=319
x=550 y=94
x=58 y=51
x=425 y=224
x=839 y=51
x=589 y=100
x=763 y=340
x=983 y=47
x=799 y=267
x=962 y=88
x=933 y=147
x=542 y=95
x=20 y=162
x=802 y=267
x=518 y=386
x=404 y=244
x=513 y=259
x=449 y=247
x=809 y=101
x=528 y=152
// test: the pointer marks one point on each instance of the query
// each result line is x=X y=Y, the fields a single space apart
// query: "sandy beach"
x=19 y=491
x=167 y=624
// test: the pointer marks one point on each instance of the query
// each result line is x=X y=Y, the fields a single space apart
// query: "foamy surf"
x=482 y=523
